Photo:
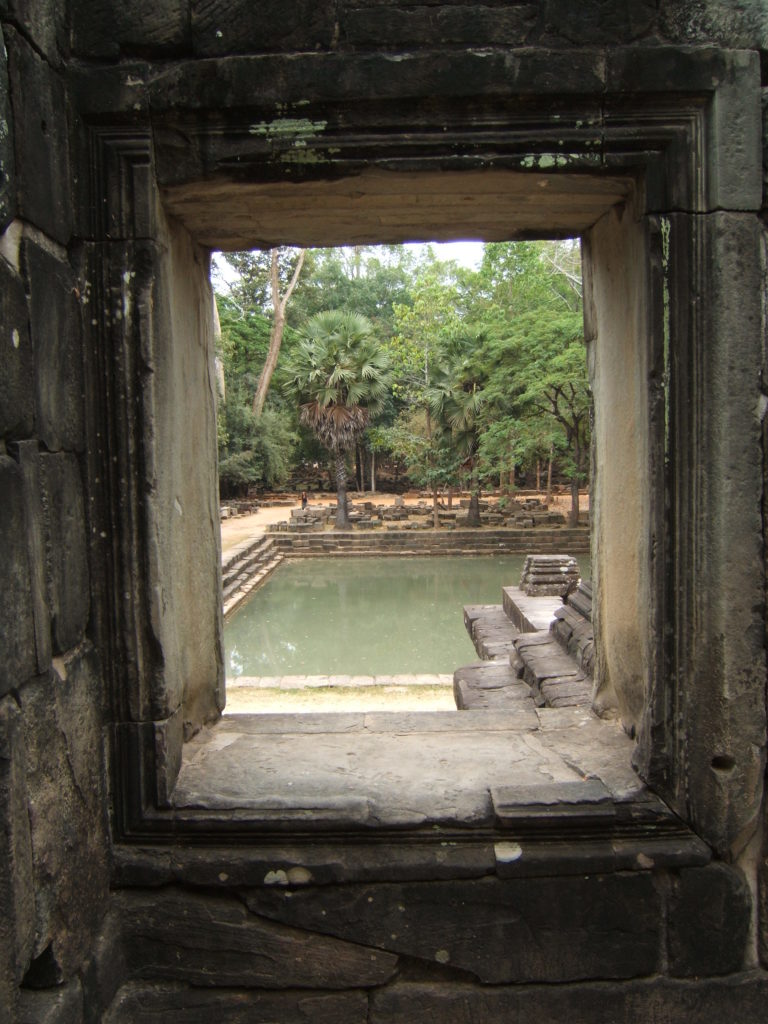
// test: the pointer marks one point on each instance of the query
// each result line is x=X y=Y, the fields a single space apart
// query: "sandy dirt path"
x=236 y=531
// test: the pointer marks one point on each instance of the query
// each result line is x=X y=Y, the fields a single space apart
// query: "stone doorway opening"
x=380 y=206
x=666 y=216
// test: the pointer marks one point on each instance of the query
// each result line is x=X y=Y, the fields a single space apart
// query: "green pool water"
x=365 y=616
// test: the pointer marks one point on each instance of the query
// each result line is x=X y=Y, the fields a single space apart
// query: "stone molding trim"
x=680 y=128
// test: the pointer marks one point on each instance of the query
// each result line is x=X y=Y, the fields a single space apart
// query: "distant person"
x=303 y=500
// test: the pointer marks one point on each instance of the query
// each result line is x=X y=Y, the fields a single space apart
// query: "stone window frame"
x=685 y=126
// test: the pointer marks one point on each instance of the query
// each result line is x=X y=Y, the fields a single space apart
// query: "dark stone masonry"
x=605 y=863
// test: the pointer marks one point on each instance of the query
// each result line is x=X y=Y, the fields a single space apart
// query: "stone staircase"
x=533 y=648
x=398 y=541
x=245 y=567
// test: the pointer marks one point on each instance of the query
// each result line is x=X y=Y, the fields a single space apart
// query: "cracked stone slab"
x=379 y=770
x=502 y=931
x=594 y=748
x=177 y=935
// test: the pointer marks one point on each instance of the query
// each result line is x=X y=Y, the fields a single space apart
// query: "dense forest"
x=397 y=367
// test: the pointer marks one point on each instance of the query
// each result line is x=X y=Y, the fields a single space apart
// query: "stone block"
x=121 y=88
x=224 y=27
x=43 y=22
x=61 y=713
x=17 y=900
x=731 y=145
x=56 y=343
x=17 y=627
x=29 y=460
x=60 y=1005
x=67 y=557
x=179 y=935
x=40 y=113
x=708 y=921
x=736 y=137
x=556 y=930
x=427 y=25
x=16 y=365
x=280 y=83
x=661 y=1000
x=106 y=969
x=7 y=158
x=142 y=1003
x=102 y=28
x=738 y=26
x=598 y=22
x=493 y=685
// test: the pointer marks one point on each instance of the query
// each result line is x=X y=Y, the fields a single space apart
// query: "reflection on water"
x=364 y=616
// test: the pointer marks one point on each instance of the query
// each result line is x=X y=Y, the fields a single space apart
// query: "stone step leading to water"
x=490 y=630
x=493 y=686
x=236 y=596
x=554 y=677
x=428 y=541
x=576 y=636
x=529 y=614
x=242 y=557
x=581 y=599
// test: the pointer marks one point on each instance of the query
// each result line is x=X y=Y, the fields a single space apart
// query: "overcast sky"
x=467 y=254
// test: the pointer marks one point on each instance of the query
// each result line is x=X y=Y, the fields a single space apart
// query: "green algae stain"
x=295 y=130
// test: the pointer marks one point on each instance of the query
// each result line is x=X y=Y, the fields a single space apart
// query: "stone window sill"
x=530 y=792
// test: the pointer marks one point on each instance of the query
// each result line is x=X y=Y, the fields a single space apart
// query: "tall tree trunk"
x=450 y=497
x=573 y=519
x=538 y=476
x=373 y=471
x=279 y=305
x=342 y=511
x=549 y=473
x=435 y=514
x=473 y=513
x=358 y=469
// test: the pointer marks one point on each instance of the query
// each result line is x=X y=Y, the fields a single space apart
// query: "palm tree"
x=340 y=376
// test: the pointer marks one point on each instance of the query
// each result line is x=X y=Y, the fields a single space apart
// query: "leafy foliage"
x=340 y=375
x=455 y=372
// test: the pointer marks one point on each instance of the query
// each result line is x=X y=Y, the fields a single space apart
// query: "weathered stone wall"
x=762 y=850
x=53 y=813
x=202 y=28
x=182 y=484
x=53 y=695
x=620 y=330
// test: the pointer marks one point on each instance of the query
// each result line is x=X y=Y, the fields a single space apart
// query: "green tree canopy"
x=340 y=375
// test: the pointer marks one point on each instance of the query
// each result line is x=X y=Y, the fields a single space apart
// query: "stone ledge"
x=313 y=682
